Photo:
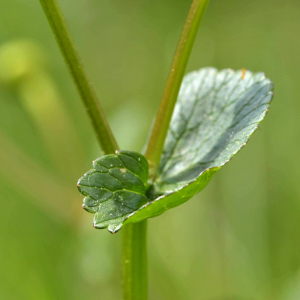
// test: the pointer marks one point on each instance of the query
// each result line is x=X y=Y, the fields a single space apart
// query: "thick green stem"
x=71 y=56
x=164 y=115
x=134 y=261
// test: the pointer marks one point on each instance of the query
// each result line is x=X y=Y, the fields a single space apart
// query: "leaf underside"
x=215 y=114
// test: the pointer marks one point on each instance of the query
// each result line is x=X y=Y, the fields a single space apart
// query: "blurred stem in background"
x=22 y=67
x=46 y=190
x=23 y=73
x=41 y=99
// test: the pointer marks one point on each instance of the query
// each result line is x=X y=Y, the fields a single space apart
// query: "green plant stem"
x=134 y=261
x=77 y=70
x=134 y=255
x=184 y=48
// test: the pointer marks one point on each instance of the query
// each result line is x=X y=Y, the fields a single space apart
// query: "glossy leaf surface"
x=114 y=188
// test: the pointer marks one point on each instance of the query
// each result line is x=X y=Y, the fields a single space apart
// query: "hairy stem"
x=134 y=261
x=184 y=48
x=77 y=70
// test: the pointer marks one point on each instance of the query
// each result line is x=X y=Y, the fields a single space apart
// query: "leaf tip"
x=114 y=228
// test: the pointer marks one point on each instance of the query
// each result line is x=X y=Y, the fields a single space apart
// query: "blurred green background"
x=239 y=239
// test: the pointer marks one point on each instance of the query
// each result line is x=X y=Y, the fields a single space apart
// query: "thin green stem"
x=184 y=48
x=134 y=255
x=134 y=261
x=77 y=70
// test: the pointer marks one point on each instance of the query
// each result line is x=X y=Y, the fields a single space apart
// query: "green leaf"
x=215 y=114
x=115 y=188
